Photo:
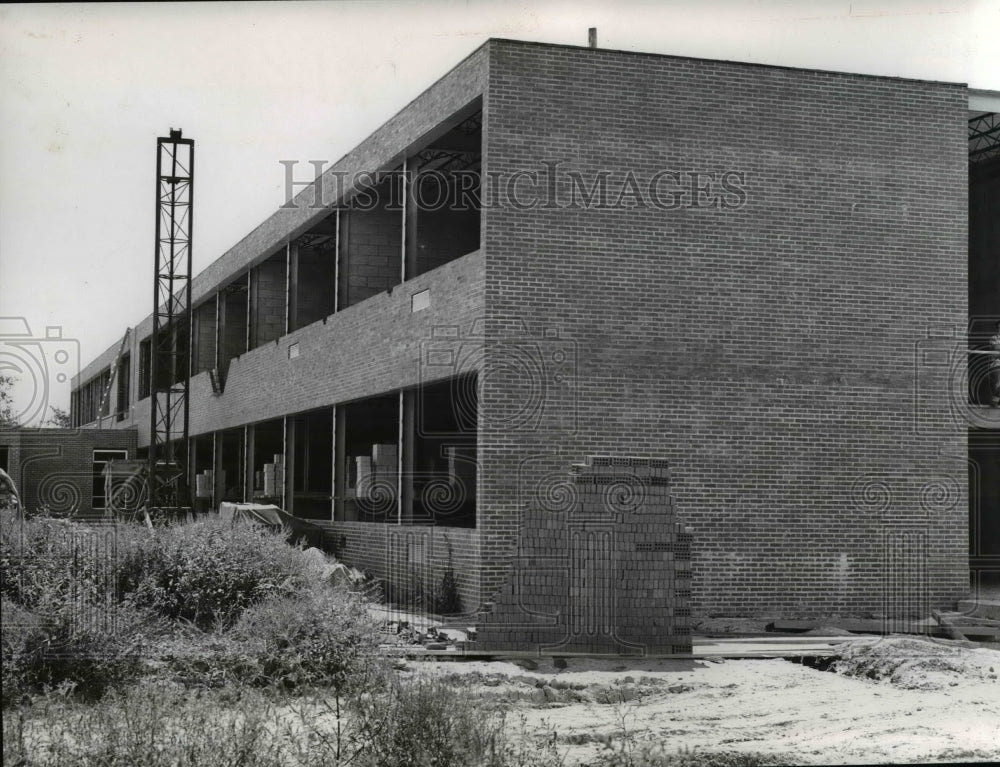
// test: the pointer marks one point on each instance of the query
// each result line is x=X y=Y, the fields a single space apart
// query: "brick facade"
x=770 y=351
x=762 y=300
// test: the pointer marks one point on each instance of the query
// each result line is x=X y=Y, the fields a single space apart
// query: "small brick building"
x=760 y=275
x=60 y=470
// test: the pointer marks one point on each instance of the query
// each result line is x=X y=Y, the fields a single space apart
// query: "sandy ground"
x=893 y=700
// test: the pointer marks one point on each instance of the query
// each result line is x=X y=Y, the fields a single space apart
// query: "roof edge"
x=984 y=101
x=537 y=44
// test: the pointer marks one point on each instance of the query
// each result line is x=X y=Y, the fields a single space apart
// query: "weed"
x=319 y=636
x=209 y=571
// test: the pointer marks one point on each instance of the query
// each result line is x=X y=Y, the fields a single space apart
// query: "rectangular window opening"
x=101 y=458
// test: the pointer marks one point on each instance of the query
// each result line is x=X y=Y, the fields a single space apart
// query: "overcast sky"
x=86 y=89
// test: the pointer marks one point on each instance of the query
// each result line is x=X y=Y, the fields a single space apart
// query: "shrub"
x=321 y=635
x=428 y=722
x=209 y=571
x=416 y=724
x=85 y=647
x=46 y=558
x=657 y=755
x=152 y=727
x=63 y=623
x=447 y=600
x=22 y=638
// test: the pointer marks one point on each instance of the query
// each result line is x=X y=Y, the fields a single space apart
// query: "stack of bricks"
x=274 y=477
x=611 y=575
x=204 y=483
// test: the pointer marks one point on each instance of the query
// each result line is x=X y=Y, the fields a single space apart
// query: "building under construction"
x=782 y=283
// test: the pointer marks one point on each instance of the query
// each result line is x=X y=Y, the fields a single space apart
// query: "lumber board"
x=876 y=626
x=952 y=630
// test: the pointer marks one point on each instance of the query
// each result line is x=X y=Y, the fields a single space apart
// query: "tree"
x=60 y=418
x=7 y=418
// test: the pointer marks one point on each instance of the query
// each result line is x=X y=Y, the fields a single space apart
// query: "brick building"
x=764 y=276
x=61 y=470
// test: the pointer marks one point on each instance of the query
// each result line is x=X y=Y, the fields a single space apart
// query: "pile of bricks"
x=377 y=475
x=610 y=576
x=273 y=477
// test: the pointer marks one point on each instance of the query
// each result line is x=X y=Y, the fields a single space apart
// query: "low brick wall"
x=611 y=575
x=411 y=560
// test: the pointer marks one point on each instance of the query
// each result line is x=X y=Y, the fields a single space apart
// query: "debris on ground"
x=919 y=664
x=927 y=701
x=971 y=627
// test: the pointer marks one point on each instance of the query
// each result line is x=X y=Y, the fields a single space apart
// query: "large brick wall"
x=773 y=352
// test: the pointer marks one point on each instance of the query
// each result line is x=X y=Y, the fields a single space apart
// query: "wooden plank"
x=953 y=632
x=778 y=647
x=883 y=627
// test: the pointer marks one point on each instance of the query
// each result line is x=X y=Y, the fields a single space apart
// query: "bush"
x=428 y=722
x=43 y=559
x=321 y=635
x=209 y=571
x=653 y=755
x=415 y=724
x=154 y=727
x=22 y=638
x=63 y=623
x=447 y=600
x=79 y=600
x=67 y=644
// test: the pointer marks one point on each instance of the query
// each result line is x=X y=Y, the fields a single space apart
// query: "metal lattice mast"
x=169 y=358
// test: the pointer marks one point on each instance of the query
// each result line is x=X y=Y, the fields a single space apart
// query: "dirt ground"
x=888 y=700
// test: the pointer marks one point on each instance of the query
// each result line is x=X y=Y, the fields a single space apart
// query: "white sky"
x=86 y=89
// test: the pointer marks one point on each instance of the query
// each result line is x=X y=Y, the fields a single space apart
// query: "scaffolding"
x=984 y=137
x=170 y=360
